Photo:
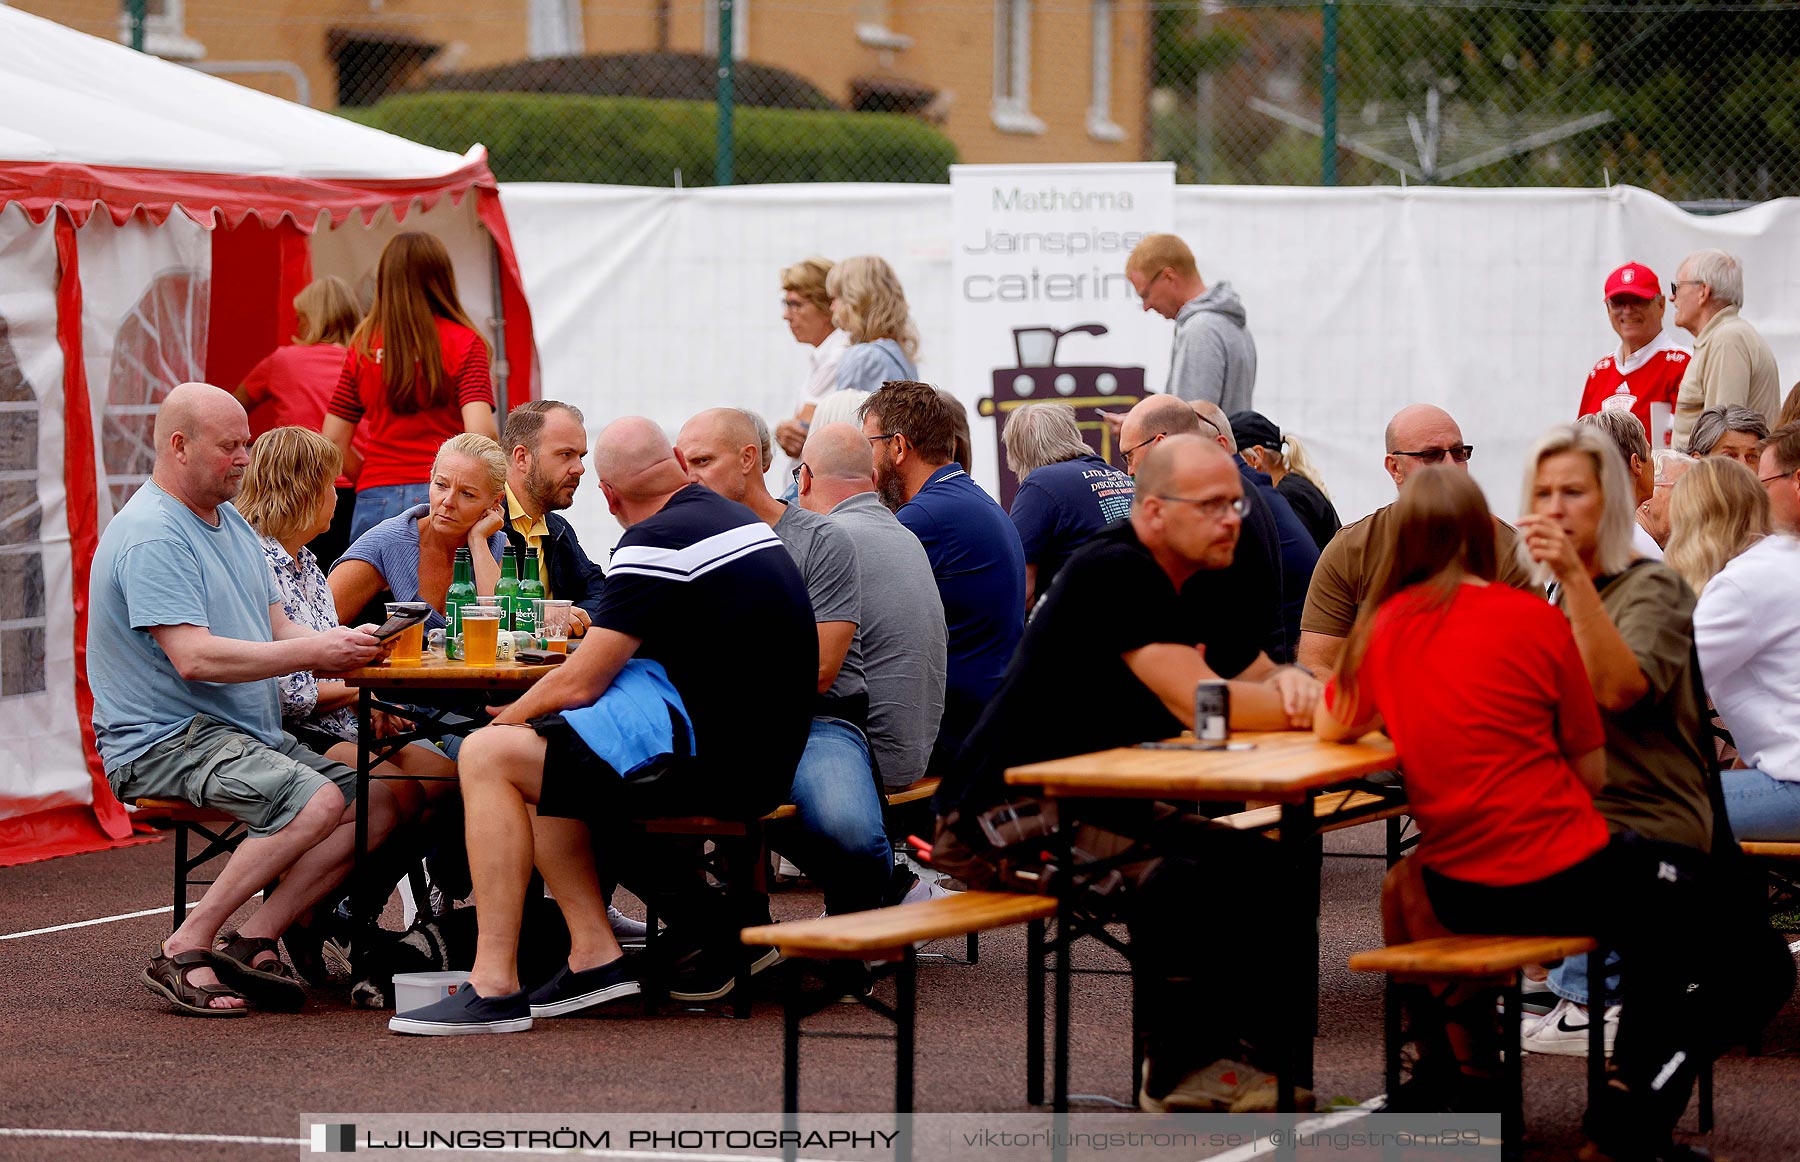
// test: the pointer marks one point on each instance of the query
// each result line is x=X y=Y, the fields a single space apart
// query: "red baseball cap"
x=1633 y=279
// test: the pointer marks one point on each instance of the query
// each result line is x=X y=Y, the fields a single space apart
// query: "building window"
x=1100 y=125
x=165 y=32
x=1012 y=68
x=740 y=28
x=555 y=29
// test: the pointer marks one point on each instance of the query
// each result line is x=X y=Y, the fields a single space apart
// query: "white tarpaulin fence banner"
x=1487 y=302
x=1037 y=258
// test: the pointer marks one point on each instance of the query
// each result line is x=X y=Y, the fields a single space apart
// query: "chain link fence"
x=1698 y=100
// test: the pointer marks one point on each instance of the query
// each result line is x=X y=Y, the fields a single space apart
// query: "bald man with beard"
x=691 y=694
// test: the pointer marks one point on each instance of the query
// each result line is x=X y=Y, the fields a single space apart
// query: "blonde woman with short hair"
x=411 y=556
x=1716 y=511
x=868 y=303
x=806 y=308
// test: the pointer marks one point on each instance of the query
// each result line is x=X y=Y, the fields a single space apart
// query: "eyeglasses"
x=1460 y=454
x=1214 y=508
x=1777 y=476
x=796 y=471
x=790 y=305
x=889 y=436
x=1675 y=287
x=1126 y=454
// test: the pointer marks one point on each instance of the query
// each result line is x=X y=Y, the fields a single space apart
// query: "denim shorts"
x=211 y=764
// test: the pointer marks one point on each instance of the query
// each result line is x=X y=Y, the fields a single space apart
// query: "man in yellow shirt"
x=546 y=444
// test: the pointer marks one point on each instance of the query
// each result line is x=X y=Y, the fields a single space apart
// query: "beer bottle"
x=507 y=588
x=530 y=589
x=462 y=588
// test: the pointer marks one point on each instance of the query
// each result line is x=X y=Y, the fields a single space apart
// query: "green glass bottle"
x=530 y=590
x=462 y=589
x=507 y=588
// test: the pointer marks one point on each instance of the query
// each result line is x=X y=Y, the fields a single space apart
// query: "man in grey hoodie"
x=1214 y=357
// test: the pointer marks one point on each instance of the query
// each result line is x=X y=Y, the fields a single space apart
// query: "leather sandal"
x=272 y=985
x=167 y=977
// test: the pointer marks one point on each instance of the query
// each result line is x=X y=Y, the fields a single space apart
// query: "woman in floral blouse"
x=288 y=497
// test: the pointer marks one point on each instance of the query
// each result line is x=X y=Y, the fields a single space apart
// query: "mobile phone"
x=539 y=657
x=406 y=616
x=1196 y=746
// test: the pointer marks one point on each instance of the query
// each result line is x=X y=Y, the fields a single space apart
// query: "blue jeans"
x=840 y=842
x=1761 y=806
x=374 y=505
x=1569 y=980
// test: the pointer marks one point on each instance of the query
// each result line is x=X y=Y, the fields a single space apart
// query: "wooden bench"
x=748 y=844
x=1499 y=960
x=1333 y=811
x=886 y=934
x=221 y=832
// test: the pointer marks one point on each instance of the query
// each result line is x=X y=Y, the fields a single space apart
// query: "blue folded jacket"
x=633 y=723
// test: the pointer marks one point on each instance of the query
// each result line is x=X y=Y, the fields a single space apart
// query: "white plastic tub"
x=415 y=990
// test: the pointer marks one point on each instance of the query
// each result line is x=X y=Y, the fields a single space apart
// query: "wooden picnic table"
x=385 y=686
x=1286 y=767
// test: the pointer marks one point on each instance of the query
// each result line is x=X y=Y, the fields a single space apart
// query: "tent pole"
x=135 y=11
x=498 y=322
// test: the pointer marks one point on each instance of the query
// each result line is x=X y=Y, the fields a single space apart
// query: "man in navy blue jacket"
x=545 y=445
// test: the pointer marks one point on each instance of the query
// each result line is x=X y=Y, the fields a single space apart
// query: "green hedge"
x=635 y=141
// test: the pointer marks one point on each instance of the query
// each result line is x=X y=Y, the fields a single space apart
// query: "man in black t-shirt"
x=599 y=741
x=1095 y=671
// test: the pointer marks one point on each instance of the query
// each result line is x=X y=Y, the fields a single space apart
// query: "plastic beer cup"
x=553 y=624
x=481 y=634
x=409 y=646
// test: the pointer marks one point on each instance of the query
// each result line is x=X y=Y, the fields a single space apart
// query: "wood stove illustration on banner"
x=1039 y=378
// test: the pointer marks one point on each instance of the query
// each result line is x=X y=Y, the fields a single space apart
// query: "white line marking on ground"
x=90 y=923
x=250 y=1140
x=147 y=1136
x=1310 y=1126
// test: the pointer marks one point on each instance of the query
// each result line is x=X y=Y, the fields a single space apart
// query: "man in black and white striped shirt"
x=704 y=590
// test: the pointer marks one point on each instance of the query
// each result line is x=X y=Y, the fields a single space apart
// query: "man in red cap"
x=1648 y=366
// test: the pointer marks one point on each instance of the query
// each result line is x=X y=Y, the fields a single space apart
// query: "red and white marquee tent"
x=155 y=225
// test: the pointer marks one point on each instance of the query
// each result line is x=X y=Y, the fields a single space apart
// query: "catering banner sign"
x=1041 y=309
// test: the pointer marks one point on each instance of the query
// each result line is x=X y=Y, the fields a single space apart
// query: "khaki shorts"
x=211 y=764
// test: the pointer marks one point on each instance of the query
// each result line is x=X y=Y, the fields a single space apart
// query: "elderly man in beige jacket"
x=1732 y=363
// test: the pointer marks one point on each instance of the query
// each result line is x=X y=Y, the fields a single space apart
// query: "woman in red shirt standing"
x=292 y=386
x=417 y=372
x=1483 y=691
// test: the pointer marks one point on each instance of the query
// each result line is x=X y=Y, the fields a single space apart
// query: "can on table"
x=1212 y=711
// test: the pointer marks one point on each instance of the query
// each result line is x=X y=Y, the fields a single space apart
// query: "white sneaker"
x=1564 y=1031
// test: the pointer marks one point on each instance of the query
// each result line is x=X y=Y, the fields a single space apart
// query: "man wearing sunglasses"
x=1418 y=436
x=1732 y=362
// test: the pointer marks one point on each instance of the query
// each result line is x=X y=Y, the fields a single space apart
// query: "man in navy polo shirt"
x=973 y=545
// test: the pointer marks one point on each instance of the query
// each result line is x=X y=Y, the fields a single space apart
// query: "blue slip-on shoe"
x=570 y=992
x=467 y=1011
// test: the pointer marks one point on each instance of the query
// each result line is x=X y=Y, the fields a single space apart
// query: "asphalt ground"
x=91 y=1052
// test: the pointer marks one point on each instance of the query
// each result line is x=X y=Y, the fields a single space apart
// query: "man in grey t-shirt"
x=186 y=636
x=902 y=630
x=842 y=843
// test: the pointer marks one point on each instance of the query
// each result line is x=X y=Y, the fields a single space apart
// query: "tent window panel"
x=21 y=661
x=22 y=585
x=20 y=513
x=19 y=441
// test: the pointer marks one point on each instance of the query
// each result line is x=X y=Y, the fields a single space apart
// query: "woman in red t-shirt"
x=1484 y=693
x=417 y=372
x=293 y=384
